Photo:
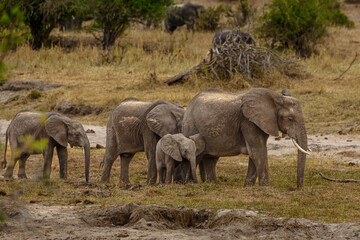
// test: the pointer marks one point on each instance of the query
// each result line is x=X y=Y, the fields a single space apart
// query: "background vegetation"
x=142 y=59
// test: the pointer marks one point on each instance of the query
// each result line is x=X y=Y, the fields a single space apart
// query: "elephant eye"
x=291 y=119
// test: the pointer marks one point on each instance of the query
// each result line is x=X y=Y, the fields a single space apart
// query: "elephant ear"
x=56 y=128
x=171 y=147
x=199 y=143
x=165 y=119
x=258 y=105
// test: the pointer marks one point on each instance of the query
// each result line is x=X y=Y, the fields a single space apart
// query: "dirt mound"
x=132 y=214
x=239 y=224
x=67 y=108
x=28 y=85
x=133 y=221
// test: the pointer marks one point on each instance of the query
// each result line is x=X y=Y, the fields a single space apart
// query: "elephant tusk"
x=300 y=148
x=83 y=150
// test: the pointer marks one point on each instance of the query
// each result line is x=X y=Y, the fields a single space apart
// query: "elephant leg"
x=256 y=140
x=111 y=153
x=125 y=162
x=150 y=147
x=13 y=159
x=251 y=174
x=22 y=162
x=48 y=156
x=162 y=174
x=169 y=171
x=202 y=171
x=63 y=159
x=10 y=168
x=209 y=164
x=182 y=172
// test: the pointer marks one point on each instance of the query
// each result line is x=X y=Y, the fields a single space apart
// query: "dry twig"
x=339 y=77
x=338 y=180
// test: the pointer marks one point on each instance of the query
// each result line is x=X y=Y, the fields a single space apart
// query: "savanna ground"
x=142 y=60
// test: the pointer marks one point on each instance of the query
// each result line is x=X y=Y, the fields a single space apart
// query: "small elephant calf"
x=172 y=149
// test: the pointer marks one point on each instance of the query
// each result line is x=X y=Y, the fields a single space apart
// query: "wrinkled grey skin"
x=181 y=14
x=174 y=148
x=136 y=126
x=222 y=35
x=58 y=129
x=233 y=124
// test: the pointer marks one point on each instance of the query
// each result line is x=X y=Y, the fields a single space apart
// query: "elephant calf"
x=58 y=129
x=172 y=149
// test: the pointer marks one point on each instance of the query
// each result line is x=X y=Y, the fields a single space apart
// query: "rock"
x=90 y=131
x=98 y=146
x=286 y=92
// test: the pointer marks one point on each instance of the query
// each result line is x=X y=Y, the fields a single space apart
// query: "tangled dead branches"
x=234 y=56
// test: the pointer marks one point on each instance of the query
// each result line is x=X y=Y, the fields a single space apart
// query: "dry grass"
x=328 y=106
x=152 y=56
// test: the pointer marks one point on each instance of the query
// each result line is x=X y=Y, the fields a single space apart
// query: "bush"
x=239 y=16
x=300 y=24
x=209 y=20
x=34 y=94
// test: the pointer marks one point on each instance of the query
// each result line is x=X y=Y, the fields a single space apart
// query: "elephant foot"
x=22 y=176
x=125 y=181
x=249 y=183
x=3 y=164
x=151 y=181
x=7 y=175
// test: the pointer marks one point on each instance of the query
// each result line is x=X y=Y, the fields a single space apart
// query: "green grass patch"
x=319 y=200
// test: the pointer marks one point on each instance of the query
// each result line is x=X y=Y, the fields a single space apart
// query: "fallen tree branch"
x=338 y=180
x=339 y=77
x=235 y=57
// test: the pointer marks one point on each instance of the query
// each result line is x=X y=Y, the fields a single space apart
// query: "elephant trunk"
x=302 y=141
x=87 y=159
x=193 y=169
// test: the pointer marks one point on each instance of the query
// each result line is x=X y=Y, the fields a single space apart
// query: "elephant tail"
x=3 y=163
x=102 y=163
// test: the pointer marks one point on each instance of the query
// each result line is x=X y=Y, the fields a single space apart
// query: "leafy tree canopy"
x=114 y=16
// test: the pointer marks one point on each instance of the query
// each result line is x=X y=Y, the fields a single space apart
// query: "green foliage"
x=42 y=16
x=239 y=16
x=300 y=24
x=34 y=94
x=11 y=26
x=2 y=217
x=209 y=20
x=114 y=16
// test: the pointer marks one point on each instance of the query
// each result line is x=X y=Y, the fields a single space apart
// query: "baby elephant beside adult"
x=172 y=149
x=58 y=129
x=233 y=123
x=136 y=126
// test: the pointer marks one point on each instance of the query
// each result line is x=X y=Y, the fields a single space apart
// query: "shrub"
x=34 y=94
x=300 y=24
x=209 y=20
x=42 y=16
x=239 y=16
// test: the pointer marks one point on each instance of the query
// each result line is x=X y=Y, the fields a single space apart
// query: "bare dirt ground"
x=43 y=221
x=133 y=221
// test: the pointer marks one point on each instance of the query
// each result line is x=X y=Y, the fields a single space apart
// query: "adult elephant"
x=136 y=126
x=181 y=14
x=58 y=129
x=233 y=124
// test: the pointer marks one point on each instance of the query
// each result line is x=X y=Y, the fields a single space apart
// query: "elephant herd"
x=215 y=124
